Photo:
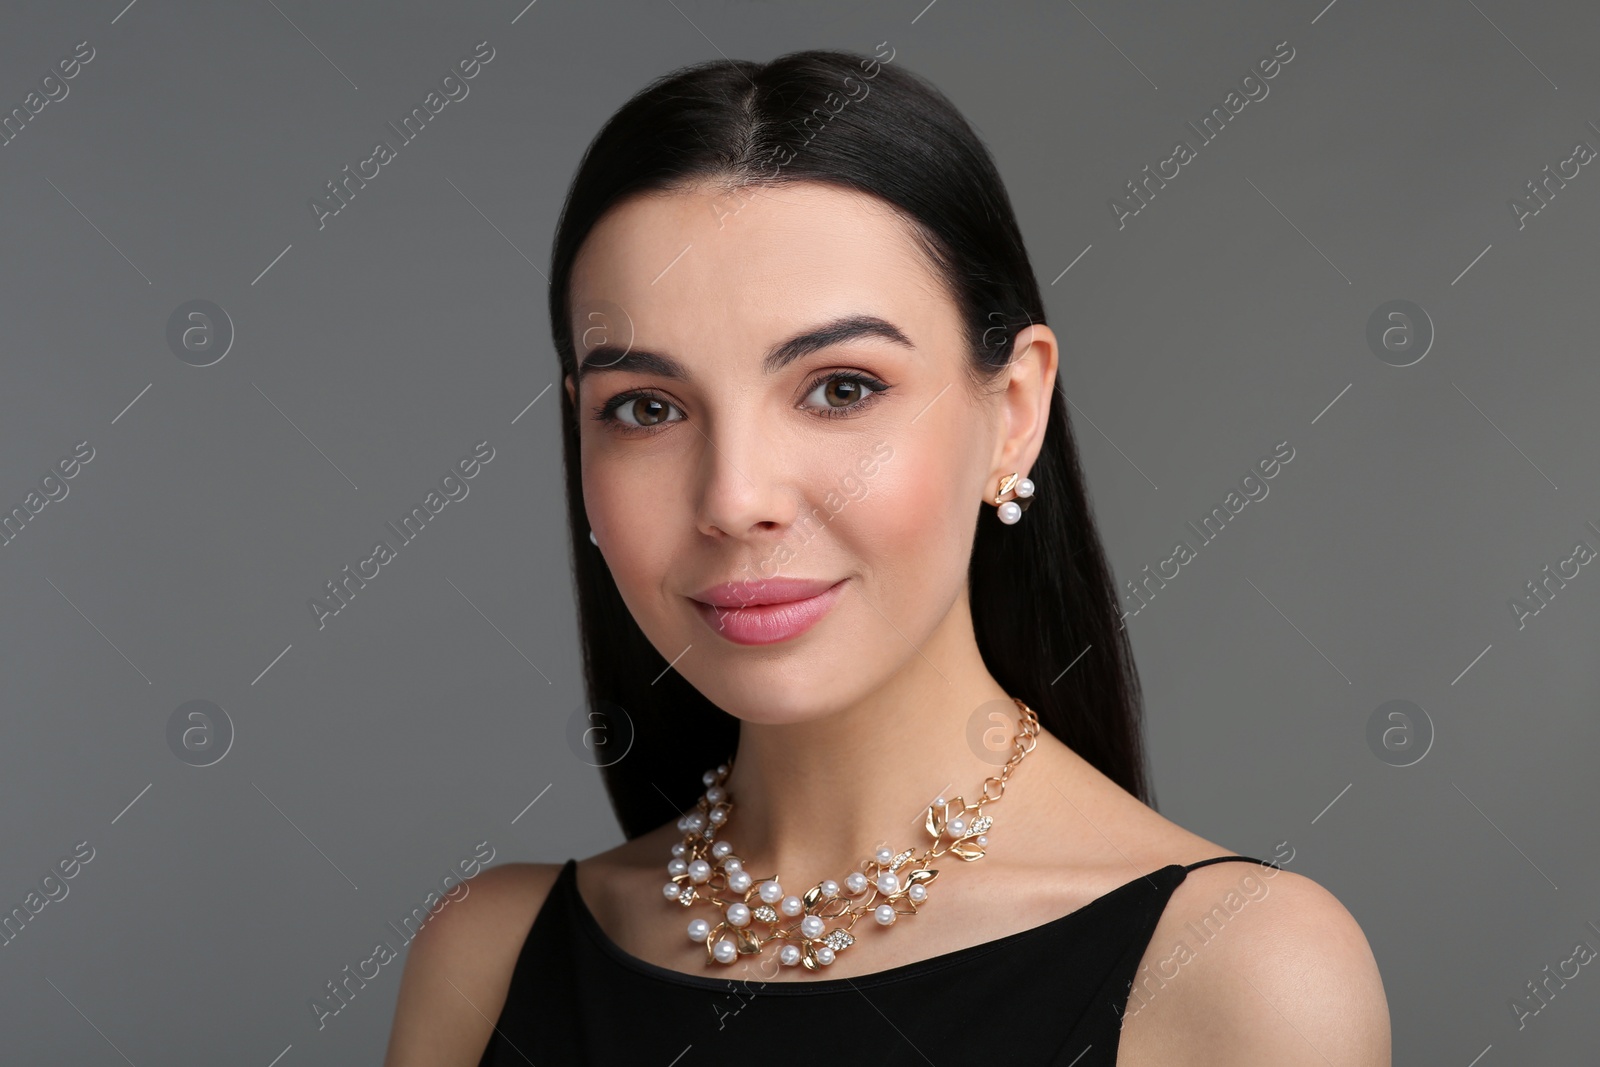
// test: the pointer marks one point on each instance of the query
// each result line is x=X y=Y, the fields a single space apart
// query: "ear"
x=1025 y=401
x=572 y=390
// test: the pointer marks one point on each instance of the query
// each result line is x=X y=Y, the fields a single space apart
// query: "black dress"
x=1052 y=994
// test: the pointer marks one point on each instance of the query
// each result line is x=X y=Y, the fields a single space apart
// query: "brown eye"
x=845 y=393
x=648 y=411
x=842 y=392
x=641 y=412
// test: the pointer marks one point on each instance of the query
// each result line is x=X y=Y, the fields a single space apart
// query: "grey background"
x=373 y=754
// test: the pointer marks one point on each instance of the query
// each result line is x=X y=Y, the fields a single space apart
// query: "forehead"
x=748 y=265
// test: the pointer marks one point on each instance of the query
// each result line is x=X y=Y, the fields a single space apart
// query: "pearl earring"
x=592 y=541
x=1011 y=510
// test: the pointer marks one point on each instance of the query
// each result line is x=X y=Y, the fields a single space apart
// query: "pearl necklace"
x=704 y=868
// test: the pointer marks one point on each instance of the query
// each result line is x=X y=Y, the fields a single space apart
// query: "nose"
x=746 y=487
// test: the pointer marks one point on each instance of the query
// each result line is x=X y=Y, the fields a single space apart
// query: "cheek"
x=625 y=510
x=914 y=524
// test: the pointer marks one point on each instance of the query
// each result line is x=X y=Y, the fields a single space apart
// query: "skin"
x=850 y=729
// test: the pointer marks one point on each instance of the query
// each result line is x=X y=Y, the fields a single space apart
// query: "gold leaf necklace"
x=757 y=912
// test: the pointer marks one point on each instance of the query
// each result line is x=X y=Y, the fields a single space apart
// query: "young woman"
x=839 y=583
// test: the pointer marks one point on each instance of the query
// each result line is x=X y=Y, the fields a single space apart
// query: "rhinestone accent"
x=839 y=940
x=908 y=871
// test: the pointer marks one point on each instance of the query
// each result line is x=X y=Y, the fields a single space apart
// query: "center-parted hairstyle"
x=1041 y=591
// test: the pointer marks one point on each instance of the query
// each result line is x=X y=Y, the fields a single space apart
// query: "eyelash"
x=606 y=413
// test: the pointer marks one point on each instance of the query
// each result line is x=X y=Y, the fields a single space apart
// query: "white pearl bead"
x=739 y=881
x=956 y=826
x=718 y=816
x=885 y=855
x=830 y=889
x=771 y=892
x=709 y=778
x=730 y=863
x=677 y=867
x=939 y=802
x=722 y=768
x=1010 y=512
x=697 y=820
x=789 y=955
x=739 y=914
x=983 y=839
x=721 y=849
x=811 y=926
x=792 y=905
x=855 y=883
x=678 y=849
x=824 y=955
x=699 y=871
x=888 y=883
x=884 y=913
x=918 y=893
x=724 y=951
x=683 y=823
x=671 y=890
x=1024 y=487
x=699 y=930
x=715 y=794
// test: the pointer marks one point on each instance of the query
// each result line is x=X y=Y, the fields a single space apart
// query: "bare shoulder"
x=1256 y=965
x=458 y=969
x=1247 y=964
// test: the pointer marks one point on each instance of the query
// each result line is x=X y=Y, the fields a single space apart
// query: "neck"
x=812 y=800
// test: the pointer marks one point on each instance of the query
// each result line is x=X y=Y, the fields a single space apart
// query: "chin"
x=778 y=694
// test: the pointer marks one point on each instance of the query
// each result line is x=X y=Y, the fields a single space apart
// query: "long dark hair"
x=1041 y=591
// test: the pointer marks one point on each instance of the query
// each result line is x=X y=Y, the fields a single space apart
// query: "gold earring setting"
x=1022 y=489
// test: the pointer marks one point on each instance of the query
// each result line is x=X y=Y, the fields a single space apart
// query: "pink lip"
x=777 y=610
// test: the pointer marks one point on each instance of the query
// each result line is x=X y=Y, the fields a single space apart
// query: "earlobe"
x=572 y=397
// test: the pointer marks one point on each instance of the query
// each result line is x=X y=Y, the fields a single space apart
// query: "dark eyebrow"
x=617 y=358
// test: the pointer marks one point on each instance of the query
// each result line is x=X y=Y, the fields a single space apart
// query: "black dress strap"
x=1074 y=975
x=1224 y=859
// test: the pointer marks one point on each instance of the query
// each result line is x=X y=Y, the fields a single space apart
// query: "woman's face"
x=717 y=451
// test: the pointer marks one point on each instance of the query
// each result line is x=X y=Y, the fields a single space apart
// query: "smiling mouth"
x=765 y=624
